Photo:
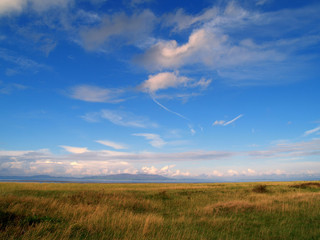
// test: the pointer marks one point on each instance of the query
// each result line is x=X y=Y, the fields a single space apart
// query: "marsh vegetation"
x=286 y=210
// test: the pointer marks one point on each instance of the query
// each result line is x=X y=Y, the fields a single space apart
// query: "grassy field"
x=273 y=210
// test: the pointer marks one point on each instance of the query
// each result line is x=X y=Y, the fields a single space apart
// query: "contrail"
x=167 y=109
x=233 y=120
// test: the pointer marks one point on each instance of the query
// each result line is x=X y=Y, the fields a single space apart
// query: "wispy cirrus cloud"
x=121 y=118
x=8 y=88
x=130 y=30
x=17 y=6
x=112 y=144
x=154 y=139
x=20 y=63
x=289 y=150
x=90 y=93
x=312 y=131
x=226 y=123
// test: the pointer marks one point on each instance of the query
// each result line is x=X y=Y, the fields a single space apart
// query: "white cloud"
x=216 y=173
x=149 y=170
x=95 y=94
x=311 y=131
x=20 y=63
x=218 y=122
x=44 y=5
x=167 y=54
x=128 y=29
x=126 y=119
x=181 y=21
x=155 y=139
x=7 y=6
x=289 y=150
x=233 y=120
x=121 y=118
x=283 y=158
x=112 y=144
x=224 y=123
x=17 y=6
x=209 y=47
x=82 y=161
x=218 y=44
x=164 y=80
x=166 y=171
x=75 y=150
x=9 y=88
x=138 y=2
x=233 y=172
x=262 y=2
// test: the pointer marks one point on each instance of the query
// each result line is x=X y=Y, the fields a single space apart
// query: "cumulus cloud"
x=112 y=144
x=217 y=173
x=82 y=161
x=284 y=158
x=167 y=54
x=210 y=48
x=95 y=94
x=121 y=118
x=164 y=80
x=166 y=171
x=130 y=29
x=233 y=172
x=216 y=43
x=154 y=139
x=76 y=150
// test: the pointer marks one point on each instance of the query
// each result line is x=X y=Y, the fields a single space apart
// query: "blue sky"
x=222 y=89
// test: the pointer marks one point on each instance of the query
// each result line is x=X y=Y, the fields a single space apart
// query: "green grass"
x=273 y=210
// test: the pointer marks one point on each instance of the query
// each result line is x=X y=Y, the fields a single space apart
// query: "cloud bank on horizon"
x=143 y=86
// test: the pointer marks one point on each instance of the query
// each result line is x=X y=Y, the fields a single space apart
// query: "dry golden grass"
x=160 y=211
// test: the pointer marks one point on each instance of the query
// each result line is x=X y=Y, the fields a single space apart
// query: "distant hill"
x=114 y=177
x=127 y=176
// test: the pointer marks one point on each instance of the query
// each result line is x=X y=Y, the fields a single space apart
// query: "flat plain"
x=268 y=210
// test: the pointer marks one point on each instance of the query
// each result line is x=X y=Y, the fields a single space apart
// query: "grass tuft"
x=260 y=189
x=306 y=185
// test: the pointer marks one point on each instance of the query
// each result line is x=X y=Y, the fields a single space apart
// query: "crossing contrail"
x=167 y=109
